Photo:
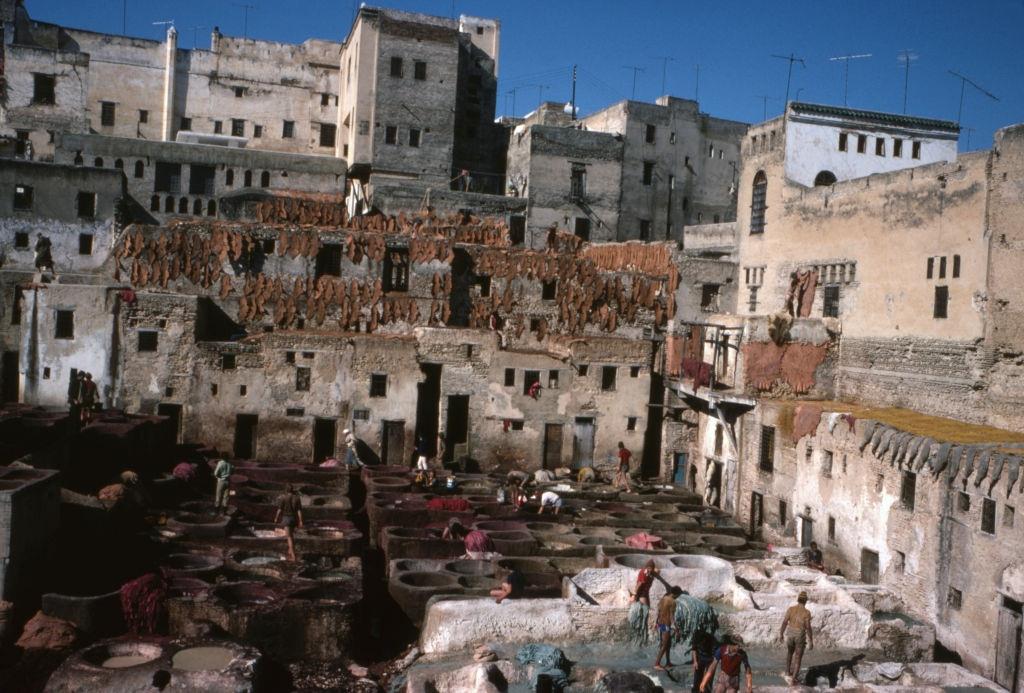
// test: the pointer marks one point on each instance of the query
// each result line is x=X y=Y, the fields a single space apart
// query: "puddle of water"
x=202 y=659
x=260 y=560
x=125 y=661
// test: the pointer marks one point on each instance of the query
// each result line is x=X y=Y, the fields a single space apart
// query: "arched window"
x=140 y=169
x=229 y=177
x=824 y=178
x=248 y=179
x=265 y=179
x=119 y=164
x=154 y=203
x=168 y=205
x=78 y=159
x=758 y=202
x=98 y=162
x=211 y=208
x=197 y=207
x=183 y=206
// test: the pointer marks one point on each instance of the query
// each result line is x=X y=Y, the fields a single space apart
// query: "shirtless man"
x=796 y=632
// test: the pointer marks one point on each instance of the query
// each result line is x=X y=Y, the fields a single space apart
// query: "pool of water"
x=202 y=659
x=125 y=661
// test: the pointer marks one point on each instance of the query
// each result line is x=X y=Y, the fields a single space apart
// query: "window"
x=65 y=325
x=201 y=179
x=237 y=127
x=552 y=380
x=709 y=297
x=16 y=306
x=645 y=229
x=85 y=244
x=548 y=290
x=830 y=305
x=956 y=266
x=86 y=204
x=295 y=411
x=378 y=385
x=328 y=260
x=897 y=147
x=227 y=362
x=302 y=379
x=963 y=502
x=634 y=371
x=517 y=229
x=915 y=150
x=510 y=377
x=140 y=169
x=325 y=99
x=630 y=423
x=908 y=489
x=516 y=424
x=243 y=390
x=257 y=131
x=672 y=140
x=824 y=179
x=955 y=599
x=831 y=530
x=582 y=228
x=578 y=182
x=941 y=308
x=879 y=146
x=862 y=144
x=608 y=374
x=98 y=162
x=485 y=286
x=361 y=415
x=218 y=127
x=419 y=70
x=758 y=202
x=649 y=134
x=767 y=456
x=396 y=269
x=843 y=144
x=648 y=172
x=718 y=439
x=826 y=463
x=899 y=562
x=154 y=203
x=396 y=66
x=1008 y=516
x=265 y=179
x=148 y=340
x=988 y=516
x=583 y=370
x=942 y=267
x=783 y=513
x=44 y=89
x=879 y=483
x=143 y=116
x=23 y=197
x=752 y=299
x=247 y=179
x=414 y=137
x=711 y=151
x=931 y=267
x=529 y=378
x=186 y=124
x=328 y=133
x=390 y=135
x=288 y=130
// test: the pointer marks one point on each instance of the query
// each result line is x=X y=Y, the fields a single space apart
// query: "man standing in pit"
x=796 y=632
x=730 y=658
x=622 y=477
x=666 y=627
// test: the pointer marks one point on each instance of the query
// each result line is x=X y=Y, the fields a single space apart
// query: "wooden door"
x=1008 y=628
x=583 y=443
x=392 y=449
x=552 y=446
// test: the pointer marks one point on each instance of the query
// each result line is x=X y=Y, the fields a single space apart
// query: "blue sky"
x=732 y=41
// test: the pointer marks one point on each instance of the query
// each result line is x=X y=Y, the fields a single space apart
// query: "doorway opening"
x=583 y=443
x=428 y=405
x=1008 y=640
x=552 y=446
x=756 y=512
x=245 y=436
x=457 y=428
x=325 y=432
x=869 y=566
x=392 y=444
x=9 y=377
x=172 y=412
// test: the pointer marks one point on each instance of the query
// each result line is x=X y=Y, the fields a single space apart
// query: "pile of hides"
x=547 y=660
x=142 y=602
x=454 y=505
x=639 y=629
x=693 y=615
x=645 y=541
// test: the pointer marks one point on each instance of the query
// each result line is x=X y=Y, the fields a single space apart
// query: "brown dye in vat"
x=202 y=659
x=125 y=661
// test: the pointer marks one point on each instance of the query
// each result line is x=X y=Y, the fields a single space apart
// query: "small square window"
x=65 y=325
x=243 y=390
x=420 y=70
x=108 y=110
x=583 y=370
x=86 y=204
x=485 y=286
x=143 y=116
x=548 y=290
x=942 y=267
x=308 y=354
x=295 y=411
x=46 y=373
x=325 y=99
x=213 y=389
x=186 y=124
x=941 y=308
x=44 y=89
x=956 y=266
x=257 y=131
x=783 y=513
x=552 y=380
x=361 y=415
x=963 y=502
x=672 y=139
x=510 y=377
x=148 y=340
x=879 y=483
x=288 y=129
x=328 y=134
x=378 y=385
x=414 y=137
x=1008 y=513
x=391 y=135
x=899 y=563
x=85 y=244
x=955 y=599
x=897 y=147
x=534 y=324
x=517 y=425
x=634 y=371
x=650 y=133
x=630 y=423
x=227 y=362
x=23 y=197
x=608 y=374
x=826 y=463
x=529 y=379
x=218 y=127
x=766 y=461
x=396 y=66
x=289 y=357
x=843 y=141
x=239 y=92
x=302 y=379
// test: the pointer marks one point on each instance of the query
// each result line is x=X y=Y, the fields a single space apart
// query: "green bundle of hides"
x=639 y=630
x=693 y=615
x=548 y=661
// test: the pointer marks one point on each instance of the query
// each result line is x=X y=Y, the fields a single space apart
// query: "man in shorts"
x=666 y=627
x=622 y=476
x=796 y=632
x=289 y=513
x=550 y=499
x=730 y=658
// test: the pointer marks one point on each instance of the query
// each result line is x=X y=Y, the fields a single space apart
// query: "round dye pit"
x=427 y=580
x=408 y=565
x=202 y=659
x=185 y=563
x=470 y=567
x=479 y=582
x=245 y=594
x=122 y=655
x=500 y=526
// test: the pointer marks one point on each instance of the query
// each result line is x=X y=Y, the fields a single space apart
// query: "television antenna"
x=636 y=70
x=789 y=77
x=245 y=17
x=964 y=81
x=906 y=57
x=846 y=69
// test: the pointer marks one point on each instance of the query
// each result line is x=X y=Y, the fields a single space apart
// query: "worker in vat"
x=665 y=624
x=548 y=499
x=512 y=587
x=622 y=476
x=222 y=473
x=479 y=545
x=289 y=514
x=644 y=580
x=797 y=633
x=730 y=658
